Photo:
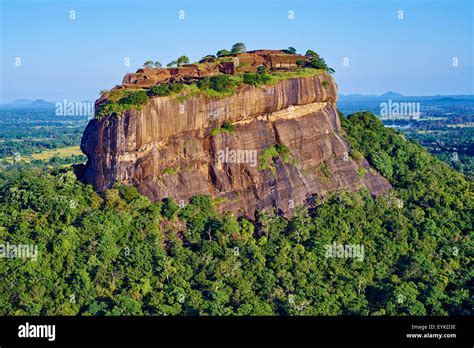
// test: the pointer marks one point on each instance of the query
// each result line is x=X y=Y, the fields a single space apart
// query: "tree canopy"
x=118 y=253
x=238 y=47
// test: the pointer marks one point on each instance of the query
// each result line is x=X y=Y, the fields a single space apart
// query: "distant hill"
x=362 y=97
x=453 y=99
x=28 y=104
x=397 y=96
x=392 y=95
x=21 y=102
x=42 y=103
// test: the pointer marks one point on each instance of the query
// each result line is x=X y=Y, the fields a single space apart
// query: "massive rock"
x=166 y=149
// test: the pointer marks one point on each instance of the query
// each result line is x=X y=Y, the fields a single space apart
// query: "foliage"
x=135 y=98
x=256 y=79
x=300 y=63
x=325 y=170
x=262 y=69
x=311 y=54
x=227 y=127
x=268 y=157
x=223 y=52
x=40 y=132
x=219 y=85
x=170 y=170
x=120 y=254
x=316 y=62
x=148 y=64
x=122 y=100
x=163 y=90
x=319 y=63
x=238 y=47
x=182 y=60
x=290 y=50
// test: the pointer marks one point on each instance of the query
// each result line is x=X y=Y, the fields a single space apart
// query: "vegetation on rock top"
x=217 y=86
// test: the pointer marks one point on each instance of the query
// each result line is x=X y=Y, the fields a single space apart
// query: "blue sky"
x=73 y=59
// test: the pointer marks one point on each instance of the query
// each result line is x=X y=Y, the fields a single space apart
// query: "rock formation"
x=166 y=149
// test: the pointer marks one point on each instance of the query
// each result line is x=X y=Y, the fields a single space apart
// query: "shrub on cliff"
x=311 y=54
x=319 y=63
x=300 y=63
x=222 y=84
x=268 y=156
x=135 y=98
x=226 y=127
x=256 y=79
x=165 y=90
x=122 y=100
x=262 y=69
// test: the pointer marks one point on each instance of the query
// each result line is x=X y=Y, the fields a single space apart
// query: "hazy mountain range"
x=28 y=104
x=398 y=96
x=343 y=98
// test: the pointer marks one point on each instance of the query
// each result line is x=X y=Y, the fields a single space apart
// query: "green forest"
x=117 y=253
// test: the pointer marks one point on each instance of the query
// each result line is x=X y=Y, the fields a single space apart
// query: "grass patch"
x=190 y=91
x=325 y=170
x=165 y=89
x=356 y=156
x=122 y=100
x=255 y=79
x=226 y=127
x=46 y=155
x=302 y=72
x=219 y=86
x=170 y=170
x=219 y=200
x=267 y=159
x=362 y=172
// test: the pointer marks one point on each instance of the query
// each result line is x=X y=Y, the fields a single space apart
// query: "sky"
x=71 y=50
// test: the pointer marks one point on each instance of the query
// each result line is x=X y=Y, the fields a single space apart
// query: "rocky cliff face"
x=167 y=150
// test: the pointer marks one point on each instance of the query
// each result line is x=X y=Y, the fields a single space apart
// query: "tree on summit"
x=148 y=64
x=208 y=56
x=172 y=63
x=182 y=60
x=290 y=50
x=223 y=52
x=311 y=54
x=239 y=47
x=317 y=62
x=178 y=62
